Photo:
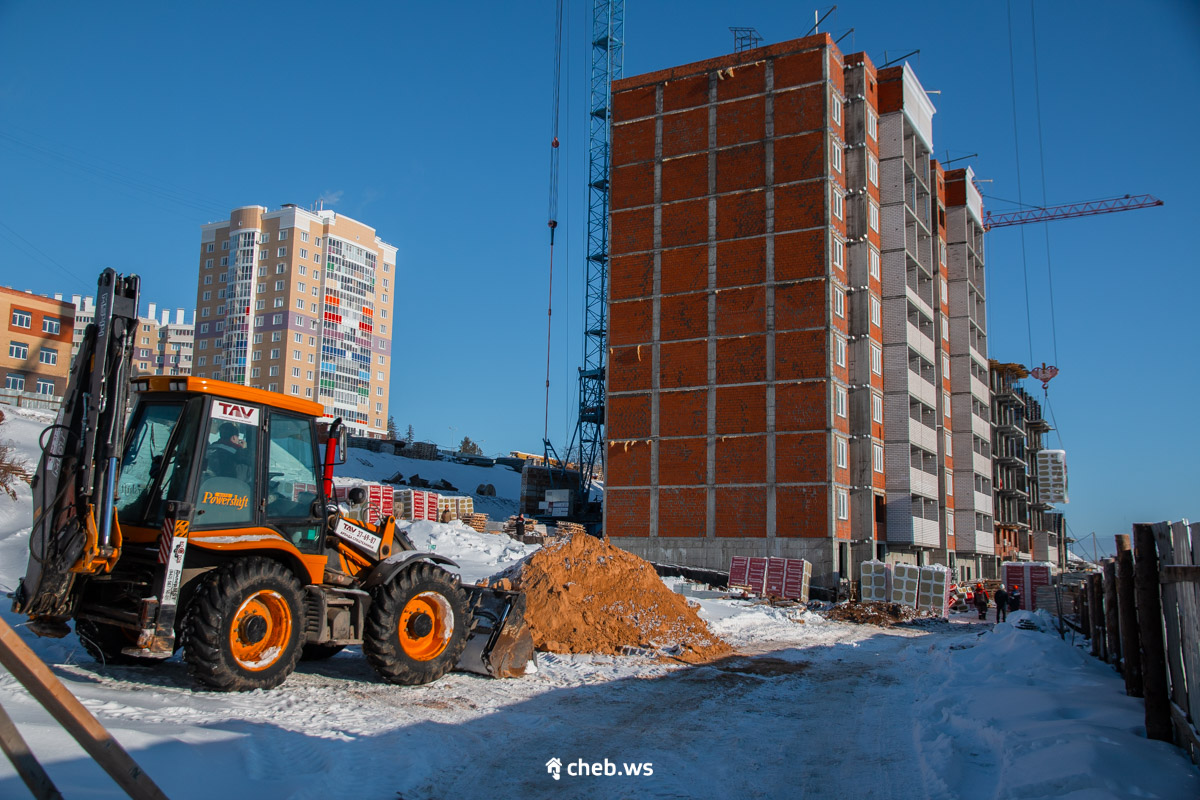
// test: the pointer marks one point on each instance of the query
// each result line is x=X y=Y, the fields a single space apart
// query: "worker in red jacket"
x=981 y=601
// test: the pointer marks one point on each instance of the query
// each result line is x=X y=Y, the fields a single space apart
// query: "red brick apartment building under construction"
x=780 y=349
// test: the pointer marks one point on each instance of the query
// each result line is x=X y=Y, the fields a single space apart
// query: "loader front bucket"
x=500 y=644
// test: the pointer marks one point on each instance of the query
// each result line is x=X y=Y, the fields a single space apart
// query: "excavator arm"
x=75 y=530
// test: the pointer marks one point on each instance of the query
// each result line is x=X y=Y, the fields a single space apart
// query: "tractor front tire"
x=417 y=626
x=244 y=626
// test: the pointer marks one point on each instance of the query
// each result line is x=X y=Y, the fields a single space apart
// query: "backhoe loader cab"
x=225 y=540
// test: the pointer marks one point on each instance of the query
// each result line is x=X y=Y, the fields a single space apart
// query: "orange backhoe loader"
x=208 y=523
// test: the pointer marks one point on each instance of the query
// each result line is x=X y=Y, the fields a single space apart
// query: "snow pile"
x=478 y=555
x=584 y=595
x=1024 y=714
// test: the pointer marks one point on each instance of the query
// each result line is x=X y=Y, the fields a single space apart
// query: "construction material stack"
x=415 y=504
x=774 y=578
x=933 y=597
x=1033 y=578
x=876 y=582
x=906 y=584
x=477 y=522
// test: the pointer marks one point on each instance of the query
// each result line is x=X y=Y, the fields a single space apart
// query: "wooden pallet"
x=476 y=521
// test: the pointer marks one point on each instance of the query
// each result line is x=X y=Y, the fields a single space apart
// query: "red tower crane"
x=1090 y=208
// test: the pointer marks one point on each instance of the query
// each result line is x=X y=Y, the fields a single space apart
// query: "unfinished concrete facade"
x=913 y=407
x=728 y=412
x=970 y=392
x=781 y=337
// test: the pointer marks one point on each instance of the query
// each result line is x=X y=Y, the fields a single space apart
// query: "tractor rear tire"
x=244 y=626
x=320 y=652
x=105 y=642
x=417 y=626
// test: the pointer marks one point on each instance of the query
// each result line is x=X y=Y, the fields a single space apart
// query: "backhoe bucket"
x=500 y=644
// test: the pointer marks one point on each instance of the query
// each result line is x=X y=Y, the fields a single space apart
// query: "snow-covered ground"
x=811 y=708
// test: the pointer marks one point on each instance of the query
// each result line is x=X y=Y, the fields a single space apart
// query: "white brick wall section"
x=899 y=518
x=964 y=530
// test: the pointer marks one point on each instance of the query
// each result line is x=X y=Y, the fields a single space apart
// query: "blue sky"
x=125 y=127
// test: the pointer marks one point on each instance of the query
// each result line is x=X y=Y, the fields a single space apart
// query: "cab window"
x=157 y=463
x=228 y=491
x=291 y=468
x=145 y=447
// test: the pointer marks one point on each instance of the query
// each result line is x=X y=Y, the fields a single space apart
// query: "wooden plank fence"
x=1143 y=617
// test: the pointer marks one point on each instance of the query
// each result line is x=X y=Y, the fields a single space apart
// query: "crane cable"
x=1012 y=73
x=1037 y=93
x=553 y=210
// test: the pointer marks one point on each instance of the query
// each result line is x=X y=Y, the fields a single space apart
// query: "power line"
x=37 y=253
x=117 y=175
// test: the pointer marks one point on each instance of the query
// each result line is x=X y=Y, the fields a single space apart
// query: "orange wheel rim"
x=261 y=630
x=426 y=623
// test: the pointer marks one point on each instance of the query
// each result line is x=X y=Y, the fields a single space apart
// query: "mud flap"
x=157 y=640
x=500 y=644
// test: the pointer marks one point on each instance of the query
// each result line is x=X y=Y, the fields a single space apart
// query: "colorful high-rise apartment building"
x=300 y=302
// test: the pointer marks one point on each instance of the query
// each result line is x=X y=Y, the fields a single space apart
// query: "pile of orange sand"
x=584 y=595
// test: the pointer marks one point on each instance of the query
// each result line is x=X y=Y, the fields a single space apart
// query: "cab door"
x=229 y=487
x=294 y=504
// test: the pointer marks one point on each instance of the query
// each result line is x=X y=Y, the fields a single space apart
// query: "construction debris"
x=586 y=596
x=883 y=614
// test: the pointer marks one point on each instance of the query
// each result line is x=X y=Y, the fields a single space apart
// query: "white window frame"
x=843 y=504
x=835 y=155
x=842 y=449
x=838 y=202
x=877 y=457
x=877 y=408
x=872 y=215
x=872 y=124
x=872 y=170
x=839 y=350
x=875 y=259
x=876 y=360
x=839 y=252
x=281 y=252
x=839 y=400
x=946 y=404
x=22 y=319
x=836 y=108
x=876 y=314
x=839 y=302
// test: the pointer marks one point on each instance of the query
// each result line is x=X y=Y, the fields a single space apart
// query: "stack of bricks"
x=476 y=521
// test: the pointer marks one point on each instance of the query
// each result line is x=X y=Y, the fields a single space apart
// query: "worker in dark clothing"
x=981 y=601
x=520 y=525
x=1014 y=598
x=1001 y=604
